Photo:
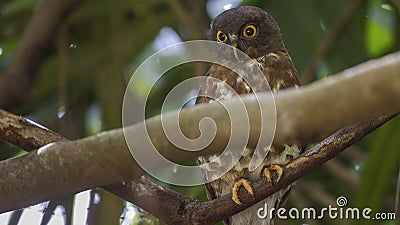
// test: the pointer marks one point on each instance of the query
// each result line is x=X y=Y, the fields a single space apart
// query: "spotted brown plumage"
x=254 y=32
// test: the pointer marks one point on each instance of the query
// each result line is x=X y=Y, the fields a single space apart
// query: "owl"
x=254 y=32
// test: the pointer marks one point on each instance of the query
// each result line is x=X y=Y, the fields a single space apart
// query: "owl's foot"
x=235 y=190
x=267 y=172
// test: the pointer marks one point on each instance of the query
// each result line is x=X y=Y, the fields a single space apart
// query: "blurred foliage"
x=79 y=88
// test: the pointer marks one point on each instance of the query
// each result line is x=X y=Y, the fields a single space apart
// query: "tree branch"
x=26 y=59
x=175 y=208
x=38 y=164
x=29 y=136
x=25 y=133
x=78 y=165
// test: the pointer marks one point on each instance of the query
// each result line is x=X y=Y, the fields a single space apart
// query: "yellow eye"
x=221 y=37
x=250 y=31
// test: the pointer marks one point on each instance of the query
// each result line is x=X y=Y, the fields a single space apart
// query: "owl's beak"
x=234 y=44
x=235 y=51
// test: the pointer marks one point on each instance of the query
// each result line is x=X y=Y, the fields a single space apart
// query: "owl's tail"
x=260 y=213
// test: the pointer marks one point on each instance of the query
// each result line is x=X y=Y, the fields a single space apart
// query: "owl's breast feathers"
x=277 y=68
x=223 y=83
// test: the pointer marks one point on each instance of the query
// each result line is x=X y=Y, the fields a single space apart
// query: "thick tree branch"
x=42 y=27
x=87 y=163
x=29 y=136
x=175 y=208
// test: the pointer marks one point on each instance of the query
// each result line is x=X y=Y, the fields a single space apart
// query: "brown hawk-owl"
x=254 y=32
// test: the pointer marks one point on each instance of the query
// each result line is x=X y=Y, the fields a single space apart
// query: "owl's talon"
x=235 y=189
x=267 y=172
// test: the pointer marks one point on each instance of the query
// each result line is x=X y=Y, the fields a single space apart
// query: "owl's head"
x=248 y=28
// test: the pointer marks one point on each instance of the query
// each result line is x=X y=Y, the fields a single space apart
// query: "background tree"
x=71 y=78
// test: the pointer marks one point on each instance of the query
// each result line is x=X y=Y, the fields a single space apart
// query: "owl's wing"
x=210 y=191
x=209 y=88
x=204 y=89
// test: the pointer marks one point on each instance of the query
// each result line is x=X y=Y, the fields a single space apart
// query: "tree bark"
x=175 y=208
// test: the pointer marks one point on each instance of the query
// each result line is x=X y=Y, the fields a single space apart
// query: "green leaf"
x=380 y=29
x=377 y=180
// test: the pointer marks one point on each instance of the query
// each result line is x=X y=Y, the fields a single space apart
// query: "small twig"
x=333 y=34
x=25 y=133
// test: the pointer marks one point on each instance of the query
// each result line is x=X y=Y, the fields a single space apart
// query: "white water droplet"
x=96 y=199
x=61 y=112
x=357 y=167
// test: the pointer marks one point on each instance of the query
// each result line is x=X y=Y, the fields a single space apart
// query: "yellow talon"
x=267 y=175
x=267 y=172
x=235 y=190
